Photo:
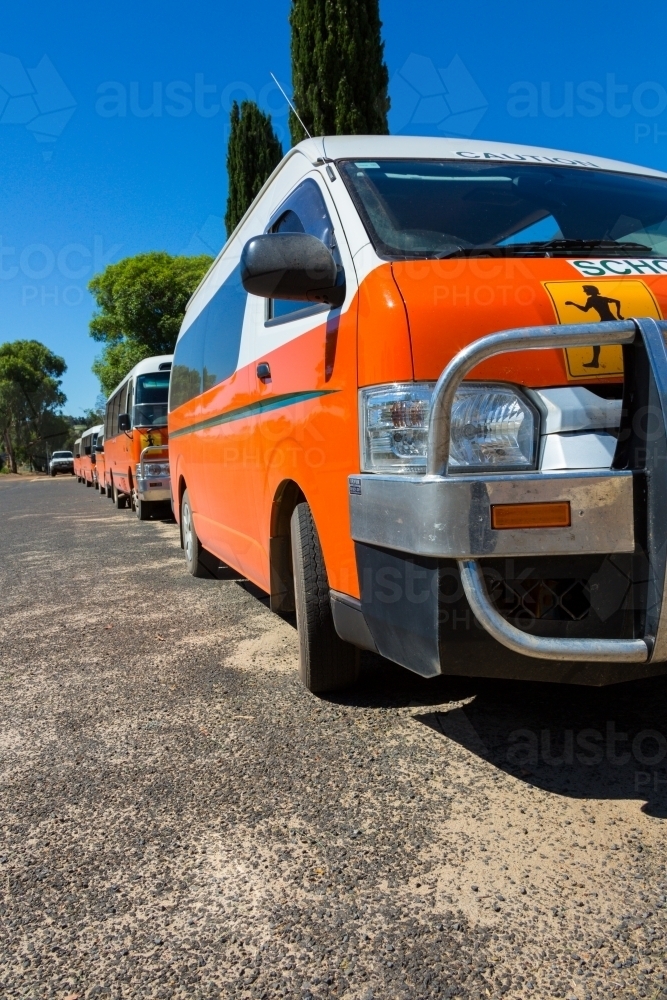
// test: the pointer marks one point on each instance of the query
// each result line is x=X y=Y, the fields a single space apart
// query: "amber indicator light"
x=531 y=515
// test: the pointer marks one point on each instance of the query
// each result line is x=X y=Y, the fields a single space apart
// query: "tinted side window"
x=208 y=351
x=122 y=408
x=224 y=325
x=304 y=211
x=113 y=415
x=129 y=402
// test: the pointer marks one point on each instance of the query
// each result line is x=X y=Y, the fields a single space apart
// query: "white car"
x=61 y=461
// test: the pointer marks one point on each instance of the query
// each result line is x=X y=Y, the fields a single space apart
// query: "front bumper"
x=154 y=488
x=413 y=534
x=449 y=517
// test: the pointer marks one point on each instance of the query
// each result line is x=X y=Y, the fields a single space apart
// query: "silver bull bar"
x=149 y=454
x=449 y=516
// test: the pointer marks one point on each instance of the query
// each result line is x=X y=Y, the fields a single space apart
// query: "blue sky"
x=115 y=143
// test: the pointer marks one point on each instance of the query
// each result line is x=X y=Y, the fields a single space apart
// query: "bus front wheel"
x=191 y=544
x=141 y=509
x=326 y=663
x=119 y=499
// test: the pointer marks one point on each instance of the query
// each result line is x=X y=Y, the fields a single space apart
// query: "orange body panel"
x=100 y=465
x=77 y=465
x=451 y=303
x=384 y=335
x=122 y=453
x=86 y=465
x=234 y=469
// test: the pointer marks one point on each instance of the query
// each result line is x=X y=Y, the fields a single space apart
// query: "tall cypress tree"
x=339 y=75
x=253 y=151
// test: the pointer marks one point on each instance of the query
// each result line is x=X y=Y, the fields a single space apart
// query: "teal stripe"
x=253 y=409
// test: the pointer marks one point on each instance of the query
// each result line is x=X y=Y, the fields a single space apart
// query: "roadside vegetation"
x=30 y=402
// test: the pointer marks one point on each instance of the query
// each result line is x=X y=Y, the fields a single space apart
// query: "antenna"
x=291 y=106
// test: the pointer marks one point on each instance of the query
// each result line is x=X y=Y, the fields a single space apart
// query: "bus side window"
x=107 y=420
x=112 y=409
x=122 y=399
x=130 y=401
x=304 y=211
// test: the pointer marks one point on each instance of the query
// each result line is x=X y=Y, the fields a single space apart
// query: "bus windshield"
x=150 y=402
x=439 y=208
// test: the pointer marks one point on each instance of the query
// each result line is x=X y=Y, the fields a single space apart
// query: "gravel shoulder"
x=180 y=818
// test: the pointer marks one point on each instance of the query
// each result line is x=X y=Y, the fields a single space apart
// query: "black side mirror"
x=124 y=422
x=99 y=448
x=293 y=266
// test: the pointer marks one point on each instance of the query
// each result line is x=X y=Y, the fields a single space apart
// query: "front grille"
x=531 y=600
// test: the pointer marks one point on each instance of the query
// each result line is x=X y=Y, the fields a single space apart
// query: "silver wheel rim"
x=187 y=533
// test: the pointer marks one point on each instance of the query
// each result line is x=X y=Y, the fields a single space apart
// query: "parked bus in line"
x=135 y=439
x=88 y=454
x=99 y=467
x=324 y=443
x=77 y=459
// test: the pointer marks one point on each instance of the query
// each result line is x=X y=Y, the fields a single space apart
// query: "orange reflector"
x=531 y=515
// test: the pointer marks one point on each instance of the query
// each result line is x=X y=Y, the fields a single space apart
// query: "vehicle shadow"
x=597 y=743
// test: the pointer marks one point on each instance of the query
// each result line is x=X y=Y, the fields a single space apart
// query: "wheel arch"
x=281 y=573
x=181 y=488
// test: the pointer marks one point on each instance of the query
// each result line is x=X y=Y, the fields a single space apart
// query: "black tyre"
x=88 y=484
x=326 y=663
x=142 y=509
x=119 y=499
x=191 y=544
x=53 y=475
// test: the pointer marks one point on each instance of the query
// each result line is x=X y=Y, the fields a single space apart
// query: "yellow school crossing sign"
x=588 y=301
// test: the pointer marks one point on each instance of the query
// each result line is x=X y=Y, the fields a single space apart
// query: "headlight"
x=494 y=427
x=156 y=469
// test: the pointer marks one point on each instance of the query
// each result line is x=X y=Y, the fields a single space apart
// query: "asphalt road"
x=179 y=818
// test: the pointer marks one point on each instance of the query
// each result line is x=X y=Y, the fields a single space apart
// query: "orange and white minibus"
x=136 y=455
x=76 y=451
x=420 y=397
x=99 y=467
x=88 y=454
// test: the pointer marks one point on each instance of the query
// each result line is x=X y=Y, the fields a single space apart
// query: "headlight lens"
x=493 y=427
x=156 y=469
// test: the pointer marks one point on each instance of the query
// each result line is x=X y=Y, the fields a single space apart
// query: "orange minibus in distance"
x=76 y=450
x=88 y=454
x=136 y=454
x=408 y=401
x=99 y=468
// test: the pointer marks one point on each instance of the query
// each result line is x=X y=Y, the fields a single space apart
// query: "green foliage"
x=252 y=154
x=30 y=397
x=339 y=75
x=141 y=303
x=116 y=360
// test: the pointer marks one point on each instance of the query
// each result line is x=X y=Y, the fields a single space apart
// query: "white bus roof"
x=92 y=430
x=338 y=147
x=146 y=367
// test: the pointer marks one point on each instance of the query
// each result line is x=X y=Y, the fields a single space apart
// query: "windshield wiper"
x=545 y=248
x=603 y=244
